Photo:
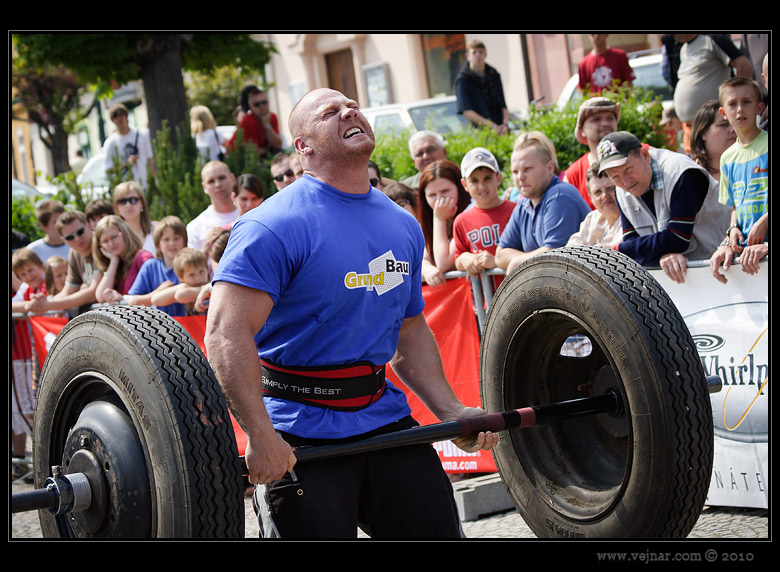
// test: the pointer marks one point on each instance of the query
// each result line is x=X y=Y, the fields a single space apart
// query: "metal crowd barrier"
x=481 y=289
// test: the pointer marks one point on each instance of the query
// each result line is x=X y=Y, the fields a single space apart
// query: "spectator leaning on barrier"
x=441 y=198
x=476 y=230
x=118 y=253
x=192 y=270
x=170 y=236
x=83 y=275
x=549 y=212
x=744 y=180
x=28 y=270
x=513 y=193
x=669 y=206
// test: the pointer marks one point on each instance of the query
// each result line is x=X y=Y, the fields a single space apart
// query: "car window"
x=440 y=117
x=95 y=174
x=389 y=122
x=649 y=77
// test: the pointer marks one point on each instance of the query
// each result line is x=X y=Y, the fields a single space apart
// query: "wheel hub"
x=105 y=447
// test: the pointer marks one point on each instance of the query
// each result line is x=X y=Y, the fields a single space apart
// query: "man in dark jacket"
x=480 y=92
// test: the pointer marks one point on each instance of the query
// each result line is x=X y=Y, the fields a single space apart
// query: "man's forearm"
x=417 y=363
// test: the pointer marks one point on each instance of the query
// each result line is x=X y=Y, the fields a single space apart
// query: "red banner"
x=450 y=315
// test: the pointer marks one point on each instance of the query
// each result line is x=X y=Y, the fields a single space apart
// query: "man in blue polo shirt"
x=548 y=213
x=322 y=282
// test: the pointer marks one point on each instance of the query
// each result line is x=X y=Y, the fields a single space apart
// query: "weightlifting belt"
x=343 y=388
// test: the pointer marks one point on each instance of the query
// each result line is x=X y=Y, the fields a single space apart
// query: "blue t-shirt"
x=551 y=223
x=152 y=274
x=343 y=272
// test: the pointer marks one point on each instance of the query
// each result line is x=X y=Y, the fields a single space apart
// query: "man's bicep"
x=238 y=307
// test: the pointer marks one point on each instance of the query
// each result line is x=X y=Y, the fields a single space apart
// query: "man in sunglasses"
x=281 y=171
x=83 y=276
x=259 y=125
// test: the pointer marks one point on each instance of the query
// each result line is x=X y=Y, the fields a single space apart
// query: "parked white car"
x=20 y=189
x=93 y=179
x=438 y=114
x=647 y=71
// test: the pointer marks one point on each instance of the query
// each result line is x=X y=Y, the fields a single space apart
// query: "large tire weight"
x=642 y=472
x=128 y=398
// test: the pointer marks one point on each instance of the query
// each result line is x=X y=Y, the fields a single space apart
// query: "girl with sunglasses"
x=130 y=204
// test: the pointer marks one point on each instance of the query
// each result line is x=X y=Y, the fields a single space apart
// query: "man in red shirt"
x=259 y=125
x=603 y=66
x=596 y=117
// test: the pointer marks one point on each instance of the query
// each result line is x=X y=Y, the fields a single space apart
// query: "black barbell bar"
x=609 y=402
x=70 y=493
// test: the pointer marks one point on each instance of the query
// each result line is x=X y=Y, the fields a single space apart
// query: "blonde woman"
x=130 y=204
x=117 y=253
x=209 y=141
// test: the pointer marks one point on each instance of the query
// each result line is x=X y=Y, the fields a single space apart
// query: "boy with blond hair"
x=170 y=237
x=192 y=270
x=744 y=179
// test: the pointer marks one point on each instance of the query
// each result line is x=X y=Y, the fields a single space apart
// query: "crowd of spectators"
x=708 y=200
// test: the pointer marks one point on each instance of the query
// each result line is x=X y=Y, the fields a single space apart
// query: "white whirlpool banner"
x=730 y=326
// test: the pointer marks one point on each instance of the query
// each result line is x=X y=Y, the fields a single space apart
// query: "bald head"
x=333 y=139
x=304 y=108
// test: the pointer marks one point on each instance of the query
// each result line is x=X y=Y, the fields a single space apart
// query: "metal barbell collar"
x=60 y=494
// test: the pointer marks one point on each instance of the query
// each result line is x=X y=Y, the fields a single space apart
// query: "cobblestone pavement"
x=714 y=523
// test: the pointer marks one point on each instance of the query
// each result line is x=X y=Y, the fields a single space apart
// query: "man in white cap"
x=669 y=209
x=475 y=231
x=597 y=117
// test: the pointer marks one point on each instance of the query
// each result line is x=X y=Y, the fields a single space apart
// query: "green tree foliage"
x=156 y=58
x=51 y=97
x=23 y=218
x=176 y=187
x=245 y=158
x=394 y=161
x=218 y=89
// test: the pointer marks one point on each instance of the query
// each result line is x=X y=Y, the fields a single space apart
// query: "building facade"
x=376 y=69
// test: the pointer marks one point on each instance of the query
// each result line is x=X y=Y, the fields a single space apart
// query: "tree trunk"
x=59 y=150
x=163 y=83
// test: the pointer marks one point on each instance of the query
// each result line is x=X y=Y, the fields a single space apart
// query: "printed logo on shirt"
x=484 y=237
x=384 y=274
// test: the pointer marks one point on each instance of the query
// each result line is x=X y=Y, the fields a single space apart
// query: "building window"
x=445 y=55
